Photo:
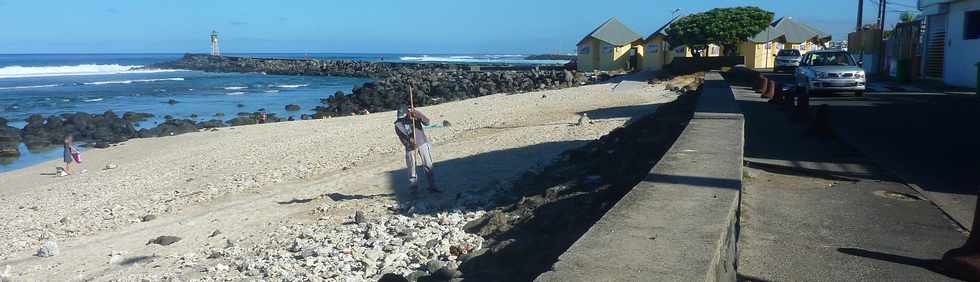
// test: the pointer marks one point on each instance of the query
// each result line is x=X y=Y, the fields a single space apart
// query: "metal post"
x=860 y=15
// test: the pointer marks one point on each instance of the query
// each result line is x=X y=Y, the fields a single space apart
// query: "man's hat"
x=402 y=111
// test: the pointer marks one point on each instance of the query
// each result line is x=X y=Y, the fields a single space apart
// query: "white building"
x=951 y=45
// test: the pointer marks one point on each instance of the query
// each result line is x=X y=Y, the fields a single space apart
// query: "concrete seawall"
x=680 y=223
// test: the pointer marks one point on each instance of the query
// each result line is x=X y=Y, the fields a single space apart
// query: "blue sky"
x=363 y=26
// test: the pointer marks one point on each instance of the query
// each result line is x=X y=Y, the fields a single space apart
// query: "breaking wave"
x=86 y=69
x=30 y=86
x=134 y=80
x=235 y=93
x=235 y=87
x=292 y=85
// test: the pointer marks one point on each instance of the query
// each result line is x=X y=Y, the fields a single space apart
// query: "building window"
x=607 y=49
x=652 y=48
x=971 y=25
x=584 y=50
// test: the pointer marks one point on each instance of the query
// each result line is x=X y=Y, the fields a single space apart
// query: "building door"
x=935 y=47
x=634 y=59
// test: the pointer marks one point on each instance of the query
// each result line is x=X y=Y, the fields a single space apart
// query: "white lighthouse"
x=214 y=44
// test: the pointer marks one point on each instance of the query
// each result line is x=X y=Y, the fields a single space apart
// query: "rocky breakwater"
x=435 y=86
x=100 y=130
x=105 y=128
x=433 y=83
x=280 y=66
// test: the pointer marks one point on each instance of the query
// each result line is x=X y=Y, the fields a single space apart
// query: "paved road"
x=930 y=139
x=816 y=209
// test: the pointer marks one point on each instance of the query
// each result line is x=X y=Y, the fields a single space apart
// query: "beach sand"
x=250 y=182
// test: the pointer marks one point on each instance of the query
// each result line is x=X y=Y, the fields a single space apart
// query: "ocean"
x=52 y=84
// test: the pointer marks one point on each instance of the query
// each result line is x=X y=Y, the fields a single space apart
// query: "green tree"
x=721 y=26
x=907 y=16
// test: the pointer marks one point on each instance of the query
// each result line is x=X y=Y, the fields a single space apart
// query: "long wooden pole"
x=411 y=114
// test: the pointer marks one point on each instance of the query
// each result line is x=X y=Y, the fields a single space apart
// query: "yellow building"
x=659 y=53
x=784 y=33
x=610 y=47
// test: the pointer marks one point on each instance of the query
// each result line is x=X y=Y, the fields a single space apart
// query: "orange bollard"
x=770 y=88
x=763 y=82
x=777 y=96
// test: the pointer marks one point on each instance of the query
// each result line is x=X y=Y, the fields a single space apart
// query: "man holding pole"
x=409 y=129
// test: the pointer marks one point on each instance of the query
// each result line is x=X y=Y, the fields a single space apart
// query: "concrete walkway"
x=814 y=209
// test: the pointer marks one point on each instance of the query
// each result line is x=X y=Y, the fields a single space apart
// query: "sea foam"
x=30 y=86
x=134 y=80
x=86 y=69
x=292 y=85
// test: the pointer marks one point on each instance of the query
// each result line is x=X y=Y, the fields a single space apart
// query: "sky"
x=364 y=26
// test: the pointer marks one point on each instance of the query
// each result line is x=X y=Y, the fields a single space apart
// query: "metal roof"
x=662 y=30
x=613 y=32
x=791 y=30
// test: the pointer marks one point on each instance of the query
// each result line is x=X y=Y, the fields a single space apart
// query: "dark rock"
x=136 y=117
x=292 y=107
x=8 y=134
x=391 y=277
x=164 y=240
x=359 y=217
x=500 y=246
x=305 y=117
x=148 y=217
x=101 y=145
x=172 y=101
x=107 y=128
x=219 y=114
x=241 y=105
x=446 y=273
x=446 y=123
x=488 y=224
x=9 y=150
x=170 y=127
x=242 y=121
x=214 y=123
x=193 y=115
x=434 y=265
x=416 y=276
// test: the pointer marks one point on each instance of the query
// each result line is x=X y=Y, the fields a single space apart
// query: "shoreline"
x=195 y=183
x=433 y=83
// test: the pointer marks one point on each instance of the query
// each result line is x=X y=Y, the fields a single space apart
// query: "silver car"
x=829 y=71
x=787 y=59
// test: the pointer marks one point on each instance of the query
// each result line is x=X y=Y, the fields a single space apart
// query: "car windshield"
x=831 y=59
x=788 y=52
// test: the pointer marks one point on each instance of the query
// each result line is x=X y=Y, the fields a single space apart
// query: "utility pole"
x=860 y=15
x=881 y=37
